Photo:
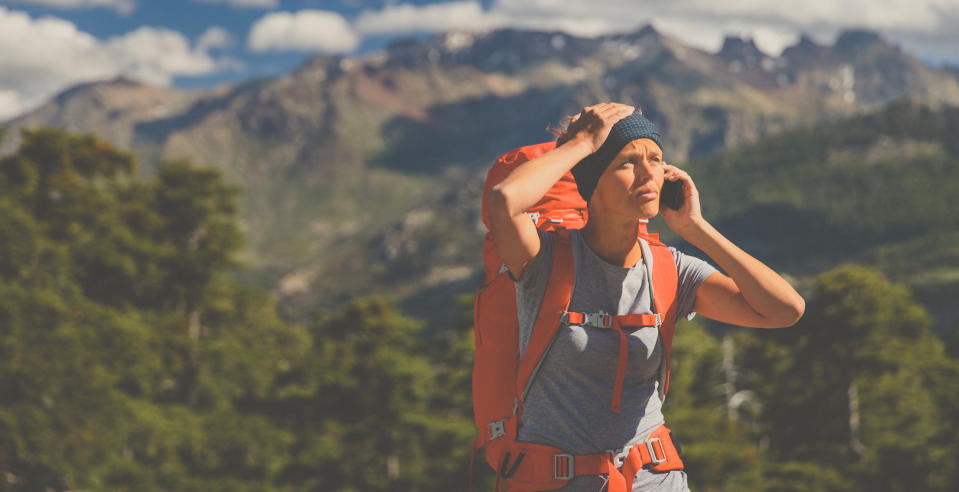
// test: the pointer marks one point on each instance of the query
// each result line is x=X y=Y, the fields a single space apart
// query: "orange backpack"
x=501 y=378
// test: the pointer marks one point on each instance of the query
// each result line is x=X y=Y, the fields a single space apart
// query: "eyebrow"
x=635 y=153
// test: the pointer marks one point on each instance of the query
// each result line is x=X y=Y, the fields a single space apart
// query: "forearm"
x=530 y=181
x=770 y=296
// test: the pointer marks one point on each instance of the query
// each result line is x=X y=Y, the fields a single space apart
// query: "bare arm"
x=514 y=234
x=752 y=294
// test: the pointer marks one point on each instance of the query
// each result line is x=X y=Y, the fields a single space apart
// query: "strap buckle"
x=659 y=320
x=496 y=429
x=652 y=452
x=564 y=466
x=618 y=456
x=599 y=320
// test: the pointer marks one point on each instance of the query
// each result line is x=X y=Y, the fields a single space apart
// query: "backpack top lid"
x=562 y=201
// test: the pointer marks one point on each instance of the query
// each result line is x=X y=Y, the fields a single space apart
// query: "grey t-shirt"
x=568 y=404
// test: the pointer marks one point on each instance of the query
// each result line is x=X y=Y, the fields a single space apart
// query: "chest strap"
x=615 y=322
x=542 y=467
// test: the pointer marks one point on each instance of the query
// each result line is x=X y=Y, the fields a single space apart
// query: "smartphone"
x=673 y=194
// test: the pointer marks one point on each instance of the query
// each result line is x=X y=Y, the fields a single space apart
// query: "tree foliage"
x=101 y=275
x=132 y=358
x=860 y=388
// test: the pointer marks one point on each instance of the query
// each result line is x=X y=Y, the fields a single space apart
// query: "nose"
x=645 y=169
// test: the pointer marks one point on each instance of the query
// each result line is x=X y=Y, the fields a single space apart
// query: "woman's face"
x=631 y=183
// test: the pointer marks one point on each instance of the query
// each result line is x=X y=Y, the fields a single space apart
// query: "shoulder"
x=539 y=264
x=686 y=261
x=676 y=254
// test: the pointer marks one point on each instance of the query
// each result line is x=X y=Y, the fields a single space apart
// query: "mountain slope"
x=876 y=190
x=332 y=153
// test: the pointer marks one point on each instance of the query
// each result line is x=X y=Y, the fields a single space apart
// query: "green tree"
x=718 y=450
x=860 y=389
x=101 y=275
x=373 y=409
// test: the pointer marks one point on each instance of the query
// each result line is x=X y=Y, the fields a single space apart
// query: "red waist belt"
x=542 y=467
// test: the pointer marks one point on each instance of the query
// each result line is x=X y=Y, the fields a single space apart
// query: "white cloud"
x=306 y=30
x=249 y=4
x=925 y=26
x=156 y=55
x=773 y=25
x=121 y=6
x=44 y=56
x=469 y=15
x=406 y=18
x=215 y=37
x=10 y=104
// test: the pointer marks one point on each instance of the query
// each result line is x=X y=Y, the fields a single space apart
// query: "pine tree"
x=855 y=395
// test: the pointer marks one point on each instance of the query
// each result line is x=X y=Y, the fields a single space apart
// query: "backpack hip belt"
x=543 y=467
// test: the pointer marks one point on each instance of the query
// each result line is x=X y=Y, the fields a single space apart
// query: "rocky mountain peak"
x=647 y=33
x=856 y=41
x=119 y=83
x=319 y=63
x=495 y=50
x=805 y=53
x=743 y=51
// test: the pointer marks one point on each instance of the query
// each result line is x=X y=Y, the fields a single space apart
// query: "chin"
x=649 y=210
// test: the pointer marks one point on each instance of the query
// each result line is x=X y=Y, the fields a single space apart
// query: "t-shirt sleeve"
x=539 y=265
x=691 y=272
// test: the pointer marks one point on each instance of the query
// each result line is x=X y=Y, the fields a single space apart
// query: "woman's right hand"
x=593 y=124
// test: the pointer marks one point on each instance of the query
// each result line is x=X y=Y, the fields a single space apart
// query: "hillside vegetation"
x=877 y=190
x=132 y=358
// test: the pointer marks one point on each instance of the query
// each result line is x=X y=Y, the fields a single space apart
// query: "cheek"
x=611 y=189
x=624 y=180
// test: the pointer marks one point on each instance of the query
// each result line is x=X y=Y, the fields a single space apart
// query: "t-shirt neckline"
x=599 y=259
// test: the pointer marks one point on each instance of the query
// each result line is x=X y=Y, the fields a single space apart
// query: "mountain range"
x=363 y=174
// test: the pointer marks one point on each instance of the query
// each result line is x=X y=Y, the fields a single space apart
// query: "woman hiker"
x=568 y=402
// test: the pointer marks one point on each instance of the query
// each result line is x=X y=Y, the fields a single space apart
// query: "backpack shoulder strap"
x=559 y=288
x=661 y=267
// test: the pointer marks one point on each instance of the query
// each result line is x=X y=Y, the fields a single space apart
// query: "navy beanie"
x=587 y=171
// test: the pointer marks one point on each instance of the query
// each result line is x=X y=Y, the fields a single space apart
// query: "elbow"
x=497 y=202
x=796 y=313
x=791 y=313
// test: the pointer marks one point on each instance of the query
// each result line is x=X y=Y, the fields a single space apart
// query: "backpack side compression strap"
x=559 y=288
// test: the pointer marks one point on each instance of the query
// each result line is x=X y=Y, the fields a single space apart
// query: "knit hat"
x=587 y=171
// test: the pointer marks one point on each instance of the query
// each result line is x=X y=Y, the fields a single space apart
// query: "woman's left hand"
x=690 y=213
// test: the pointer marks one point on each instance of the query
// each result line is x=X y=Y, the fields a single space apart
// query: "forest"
x=135 y=355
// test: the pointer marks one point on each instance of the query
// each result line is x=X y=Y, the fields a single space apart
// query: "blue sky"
x=193 y=18
x=49 y=45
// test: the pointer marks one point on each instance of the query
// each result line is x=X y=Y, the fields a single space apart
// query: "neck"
x=613 y=239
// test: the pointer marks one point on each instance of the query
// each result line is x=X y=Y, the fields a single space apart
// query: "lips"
x=647 y=194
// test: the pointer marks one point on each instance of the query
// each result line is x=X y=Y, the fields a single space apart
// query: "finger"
x=683 y=175
x=602 y=107
x=687 y=180
x=592 y=110
x=615 y=114
x=617 y=108
x=677 y=174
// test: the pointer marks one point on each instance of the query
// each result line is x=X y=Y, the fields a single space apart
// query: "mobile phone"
x=673 y=194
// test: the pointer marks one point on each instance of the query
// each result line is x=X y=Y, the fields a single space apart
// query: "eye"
x=626 y=164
